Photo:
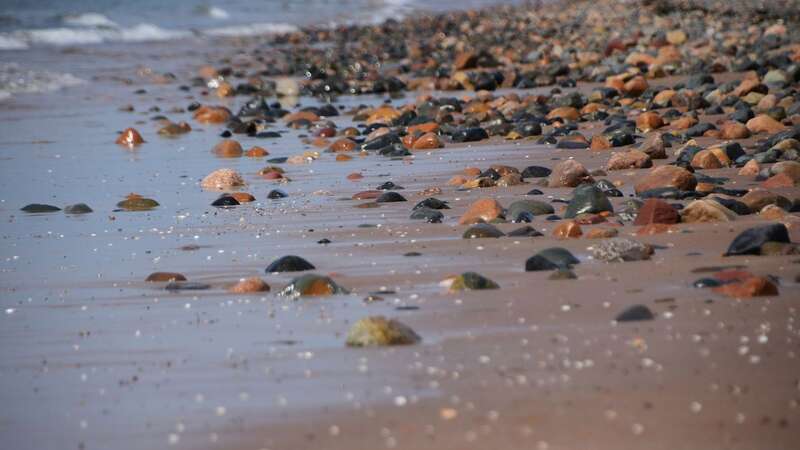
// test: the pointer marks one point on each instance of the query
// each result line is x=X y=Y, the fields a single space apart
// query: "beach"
x=423 y=169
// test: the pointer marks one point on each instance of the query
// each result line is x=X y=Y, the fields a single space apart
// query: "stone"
x=174 y=129
x=535 y=172
x=706 y=159
x=781 y=180
x=432 y=203
x=564 y=112
x=599 y=142
x=588 y=199
x=621 y=249
x=289 y=263
x=130 y=138
x=568 y=229
x=648 y=121
x=158 y=277
x=428 y=141
x=569 y=173
x=510 y=179
x=654 y=146
x=312 y=285
x=256 y=152
x=482 y=210
x=78 y=208
x=482 y=230
x=343 y=145
x=222 y=179
x=666 y=177
x=750 y=287
x=763 y=123
x=212 y=114
x=470 y=281
x=249 y=286
x=635 y=86
x=750 y=169
x=734 y=130
x=706 y=211
x=427 y=214
x=277 y=194
x=757 y=199
x=243 y=197
x=225 y=200
x=534 y=207
x=550 y=259
x=676 y=37
x=378 y=331
x=772 y=212
x=135 y=202
x=35 y=208
x=751 y=240
x=631 y=159
x=635 y=313
x=526 y=231
x=654 y=228
x=656 y=211
x=390 y=197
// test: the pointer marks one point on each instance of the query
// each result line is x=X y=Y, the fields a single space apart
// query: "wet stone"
x=390 y=197
x=78 y=208
x=249 y=286
x=165 y=277
x=534 y=207
x=482 y=230
x=551 y=259
x=703 y=283
x=276 y=194
x=432 y=203
x=378 y=331
x=588 y=199
x=621 y=249
x=471 y=281
x=388 y=186
x=427 y=214
x=752 y=240
x=312 y=285
x=635 y=313
x=225 y=201
x=536 y=172
x=289 y=263
x=137 y=203
x=34 y=208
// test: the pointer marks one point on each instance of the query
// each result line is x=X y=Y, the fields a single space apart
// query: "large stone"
x=569 y=173
x=550 y=259
x=654 y=146
x=482 y=210
x=568 y=229
x=249 y=286
x=751 y=240
x=222 y=179
x=706 y=211
x=482 y=230
x=666 y=177
x=621 y=249
x=632 y=159
x=378 y=331
x=534 y=207
x=757 y=199
x=656 y=211
x=588 y=199
x=312 y=285
x=763 y=123
x=289 y=263
x=750 y=287
x=470 y=281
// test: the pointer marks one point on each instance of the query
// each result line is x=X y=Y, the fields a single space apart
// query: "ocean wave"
x=252 y=29
x=91 y=19
x=76 y=36
x=16 y=80
x=215 y=12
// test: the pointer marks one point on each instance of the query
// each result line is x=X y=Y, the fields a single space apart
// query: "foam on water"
x=251 y=29
x=14 y=80
x=89 y=20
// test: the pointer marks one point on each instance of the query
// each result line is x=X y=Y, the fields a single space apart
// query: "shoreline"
x=109 y=360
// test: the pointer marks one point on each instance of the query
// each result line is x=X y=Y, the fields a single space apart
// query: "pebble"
x=635 y=313
x=470 y=281
x=249 y=286
x=35 y=208
x=222 y=179
x=482 y=230
x=621 y=249
x=78 y=208
x=550 y=259
x=165 y=276
x=312 y=285
x=130 y=138
x=289 y=263
x=378 y=331
x=483 y=210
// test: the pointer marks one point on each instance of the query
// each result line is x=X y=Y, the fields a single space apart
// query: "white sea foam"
x=90 y=19
x=16 y=80
x=8 y=42
x=252 y=29
x=77 y=36
x=217 y=13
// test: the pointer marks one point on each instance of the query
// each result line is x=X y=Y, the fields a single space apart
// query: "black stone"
x=186 y=286
x=536 y=172
x=550 y=259
x=277 y=193
x=427 y=214
x=635 y=313
x=750 y=241
x=389 y=197
x=388 y=186
x=289 y=263
x=40 y=208
x=78 y=208
x=526 y=231
x=432 y=203
x=224 y=201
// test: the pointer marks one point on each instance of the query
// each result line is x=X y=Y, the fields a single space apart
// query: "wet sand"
x=94 y=357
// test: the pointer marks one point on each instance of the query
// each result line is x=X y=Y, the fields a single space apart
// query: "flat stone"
x=378 y=331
